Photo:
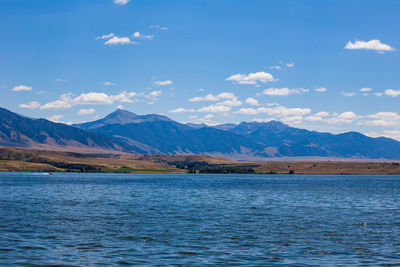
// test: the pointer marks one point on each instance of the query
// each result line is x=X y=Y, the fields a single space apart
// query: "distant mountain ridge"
x=160 y=134
x=121 y=117
x=20 y=131
x=156 y=134
x=125 y=131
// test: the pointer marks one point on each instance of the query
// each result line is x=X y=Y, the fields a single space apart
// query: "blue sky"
x=213 y=61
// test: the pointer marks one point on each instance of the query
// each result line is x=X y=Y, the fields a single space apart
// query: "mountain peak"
x=120 y=116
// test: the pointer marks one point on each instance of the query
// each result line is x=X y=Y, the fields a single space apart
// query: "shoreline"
x=27 y=160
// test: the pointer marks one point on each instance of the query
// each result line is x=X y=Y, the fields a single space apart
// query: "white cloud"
x=55 y=118
x=319 y=116
x=138 y=35
x=206 y=119
x=247 y=111
x=347 y=93
x=119 y=40
x=277 y=67
x=22 y=88
x=156 y=93
x=120 y=106
x=226 y=99
x=231 y=103
x=292 y=119
x=92 y=98
x=321 y=89
x=64 y=102
x=61 y=80
x=282 y=111
x=214 y=109
x=105 y=36
x=283 y=91
x=160 y=83
x=251 y=78
x=158 y=27
x=181 y=110
x=383 y=119
x=342 y=118
x=88 y=111
x=107 y=83
x=369 y=45
x=210 y=97
x=348 y=115
x=290 y=65
x=121 y=2
x=30 y=105
x=394 y=134
x=252 y=101
x=392 y=93
x=279 y=111
x=379 y=94
x=365 y=89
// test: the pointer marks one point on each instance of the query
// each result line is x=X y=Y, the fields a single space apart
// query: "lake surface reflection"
x=165 y=219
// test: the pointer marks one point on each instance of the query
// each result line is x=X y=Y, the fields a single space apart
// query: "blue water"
x=197 y=220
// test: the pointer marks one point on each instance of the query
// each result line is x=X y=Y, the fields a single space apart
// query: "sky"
x=330 y=66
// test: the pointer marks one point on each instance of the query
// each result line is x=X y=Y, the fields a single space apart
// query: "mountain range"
x=127 y=132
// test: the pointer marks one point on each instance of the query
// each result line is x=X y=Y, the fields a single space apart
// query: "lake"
x=197 y=220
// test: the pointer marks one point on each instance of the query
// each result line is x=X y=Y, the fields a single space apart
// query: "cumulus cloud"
x=230 y=103
x=251 y=78
x=155 y=93
x=105 y=36
x=347 y=93
x=365 y=89
x=160 y=83
x=369 y=45
x=279 y=111
x=211 y=97
x=394 y=134
x=93 y=98
x=64 y=102
x=113 y=39
x=22 y=88
x=61 y=80
x=383 y=119
x=252 y=101
x=247 y=111
x=138 y=35
x=292 y=119
x=392 y=93
x=181 y=110
x=158 y=27
x=88 y=111
x=321 y=89
x=277 y=67
x=290 y=65
x=119 y=40
x=55 y=118
x=121 y=2
x=319 y=116
x=335 y=118
x=283 y=91
x=30 y=105
x=226 y=99
x=286 y=115
x=215 y=109
x=107 y=83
